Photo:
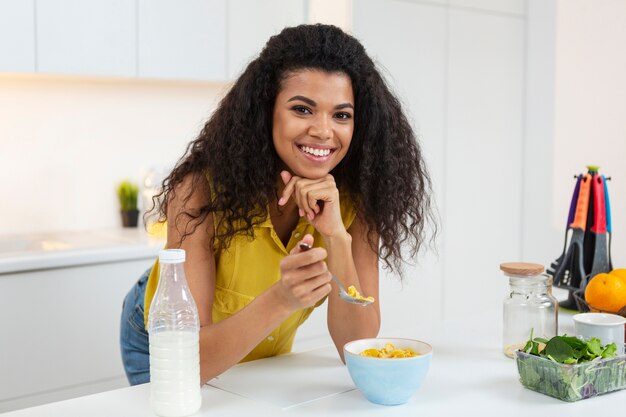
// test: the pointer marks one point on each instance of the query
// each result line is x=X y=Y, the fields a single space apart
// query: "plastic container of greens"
x=571 y=382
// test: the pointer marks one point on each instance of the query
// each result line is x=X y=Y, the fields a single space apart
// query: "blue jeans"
x=134 y=341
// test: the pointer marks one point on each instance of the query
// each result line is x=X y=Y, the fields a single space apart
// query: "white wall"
x=590 y=105
x=542 y=237
x=65 y=143
x=575 y=116
x=458 y=68
x=415 y=69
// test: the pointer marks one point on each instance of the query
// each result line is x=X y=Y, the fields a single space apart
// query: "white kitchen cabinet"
x=60 y=336
x=61 y=298
x=503 y=6
x=182 y=40
x=408 y=43
x=252 y=22
x=17 y=36
x=483 y=211
x=96 y=37
x=192 y=40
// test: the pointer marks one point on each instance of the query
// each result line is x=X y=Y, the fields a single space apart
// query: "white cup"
x=609 y=328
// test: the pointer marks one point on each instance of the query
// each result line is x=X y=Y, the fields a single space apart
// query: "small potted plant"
x=127 y=194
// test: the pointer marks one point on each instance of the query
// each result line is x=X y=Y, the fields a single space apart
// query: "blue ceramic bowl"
x=387 y=381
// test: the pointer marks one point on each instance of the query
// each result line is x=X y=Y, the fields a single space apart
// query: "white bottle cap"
x=171 y=256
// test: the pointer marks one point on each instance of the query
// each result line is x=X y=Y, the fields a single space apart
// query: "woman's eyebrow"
x=312 y=103
x=305 y=99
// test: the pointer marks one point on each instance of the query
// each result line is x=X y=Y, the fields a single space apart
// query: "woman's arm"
x=352 y=260
x=350 y=256
x=305 y=280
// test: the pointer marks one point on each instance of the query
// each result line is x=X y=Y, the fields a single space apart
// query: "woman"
x=309 y=146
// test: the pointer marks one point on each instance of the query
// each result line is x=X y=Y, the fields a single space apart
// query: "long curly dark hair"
x=383 y=171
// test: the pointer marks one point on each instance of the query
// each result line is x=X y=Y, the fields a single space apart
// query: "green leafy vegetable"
x=571 y=369
x=609 y=351
x=569 y=350
x=594 y=347
x=559 y=350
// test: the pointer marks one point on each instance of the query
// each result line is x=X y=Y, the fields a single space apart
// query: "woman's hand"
x=304 y=276
x=318 y=200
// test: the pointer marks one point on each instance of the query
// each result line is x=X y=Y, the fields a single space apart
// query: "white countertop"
x=28 y=252
x=469 y=376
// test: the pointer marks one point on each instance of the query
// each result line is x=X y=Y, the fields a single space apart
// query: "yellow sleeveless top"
x=248 y=268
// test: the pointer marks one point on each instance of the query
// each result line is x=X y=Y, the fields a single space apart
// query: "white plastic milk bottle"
x=174 y=326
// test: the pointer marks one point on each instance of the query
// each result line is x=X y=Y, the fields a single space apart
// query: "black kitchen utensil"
x=570 y=219
x=571 y=271
x=588 y=251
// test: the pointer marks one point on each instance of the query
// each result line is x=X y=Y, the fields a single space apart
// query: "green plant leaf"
x=559 y=350
x=535 y=349
x=574 y=342
x=570 y=350
x=609 y=350
x=127 y=193
x=594 y=346
x=528 y=347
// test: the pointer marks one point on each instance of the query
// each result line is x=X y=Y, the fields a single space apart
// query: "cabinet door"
x=17 y=35
x=483 y=217
x=252 y=22
x=96 y=37
x=182 y=40
x=503 y=6
x=408 y=43
x=60 y=336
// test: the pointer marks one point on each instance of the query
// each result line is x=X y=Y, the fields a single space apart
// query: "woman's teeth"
x=316 y=152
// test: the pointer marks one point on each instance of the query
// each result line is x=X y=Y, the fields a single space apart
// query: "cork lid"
x=521 y=268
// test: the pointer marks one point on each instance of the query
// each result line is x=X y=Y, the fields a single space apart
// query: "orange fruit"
x=606 y=292
x=620 y=272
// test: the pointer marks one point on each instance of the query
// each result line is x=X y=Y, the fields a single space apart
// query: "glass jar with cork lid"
x=530 y=306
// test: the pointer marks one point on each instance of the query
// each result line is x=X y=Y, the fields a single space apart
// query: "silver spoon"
x=343 y=294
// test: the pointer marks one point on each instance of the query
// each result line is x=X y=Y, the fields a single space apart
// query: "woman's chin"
x=311 y=173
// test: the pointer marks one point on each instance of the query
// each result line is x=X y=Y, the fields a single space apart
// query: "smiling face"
x=313 y=121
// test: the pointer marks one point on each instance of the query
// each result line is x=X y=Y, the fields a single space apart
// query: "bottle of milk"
x=174 y=327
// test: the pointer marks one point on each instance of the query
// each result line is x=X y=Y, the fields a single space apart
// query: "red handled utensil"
x=599 y=229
